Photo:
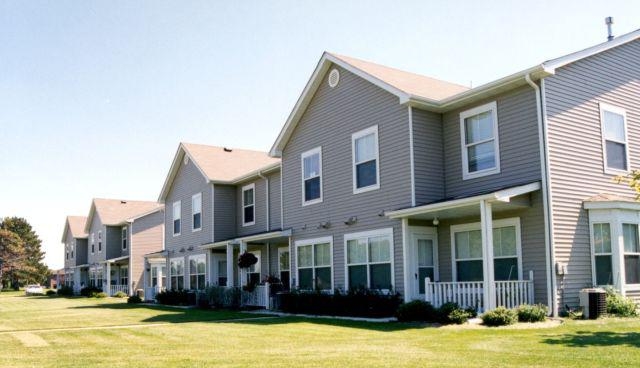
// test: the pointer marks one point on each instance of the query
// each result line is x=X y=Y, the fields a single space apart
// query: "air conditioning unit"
x=593 y=303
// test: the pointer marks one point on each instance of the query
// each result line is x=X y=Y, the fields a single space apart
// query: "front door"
x=423 y=261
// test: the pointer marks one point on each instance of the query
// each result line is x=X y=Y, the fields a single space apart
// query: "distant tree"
x=31 y=268
x=11 y=257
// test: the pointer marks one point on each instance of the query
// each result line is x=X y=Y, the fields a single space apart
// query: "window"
x=248 y=204
x=177 y=215
x=366 y=168
x=163 y=276
x=99 y=241
x=67 y=253
x=284 y=267
x=124 y=275
x=602 y=254
x=154 y=277
x=222 y=273
x=176 y=267
x=93 y=245
x=479 y=141
x=369 y=260
x=196 y=212
x=73 y=248
x=197 y=272
x=124 y=238
x=467 y=250
x=314 y=264
x=631 y=254
x=253 y=273
x=312 y=176
x=426 y=262
x=614 y=138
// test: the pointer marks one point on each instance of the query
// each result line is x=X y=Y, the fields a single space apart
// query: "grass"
x=194 y=338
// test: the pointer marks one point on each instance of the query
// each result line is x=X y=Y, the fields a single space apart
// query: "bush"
x=445 y=310
x=51 y=292
x=65 y=291
x=223 y=297
x=532 y=313
x=500 y=316
x=459 y=316
x=354 y=303
x=416 y=310
x=174 y=297
x=120 y=294
x=134 y=299
x=620 y=306
x=99 y=295
x=89 y=291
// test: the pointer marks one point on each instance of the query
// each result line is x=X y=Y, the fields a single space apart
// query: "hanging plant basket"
x=246 y=260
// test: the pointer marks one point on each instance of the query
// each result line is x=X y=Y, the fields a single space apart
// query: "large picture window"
x=369 y=259
x=196 y=212
x=176 y=270
x=312 y=176
x=177 y=217
x=602 y=254
x=366 y=166
x=314 y=264
x=248 y=205
x=479 y=137
x=614 y=138
x=197 y=266
x=631 y=254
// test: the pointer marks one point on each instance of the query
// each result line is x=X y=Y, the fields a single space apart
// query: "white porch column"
x=486 y=228
x=405 y=260
x=617 y=253
x=243 y=271
x=107 y=288
x=230 y=265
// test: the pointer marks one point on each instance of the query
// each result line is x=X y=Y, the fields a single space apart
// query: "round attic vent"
x=186 y=159
x=334 y=78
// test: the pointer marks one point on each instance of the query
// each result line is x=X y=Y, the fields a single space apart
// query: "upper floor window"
x=196 y=212
x=366 y=166
x=479 y=139
x=73 y=247
x=312 y=176
x=614 y=138
x=177 y=215
x=93 y=244
x=99 y=241
x=248 y=204
x=124 y=238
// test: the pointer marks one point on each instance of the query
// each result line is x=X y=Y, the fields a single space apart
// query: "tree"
x=11 y=254
x=632 y=180
x=30 y=268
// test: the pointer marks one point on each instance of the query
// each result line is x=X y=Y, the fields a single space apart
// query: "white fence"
x=259 y=297
x=115 y=288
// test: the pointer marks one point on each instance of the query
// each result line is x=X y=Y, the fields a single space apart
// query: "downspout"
x=267 y=197
x=542 y=139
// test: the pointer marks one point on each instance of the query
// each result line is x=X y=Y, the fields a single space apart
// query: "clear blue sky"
x=96 y=95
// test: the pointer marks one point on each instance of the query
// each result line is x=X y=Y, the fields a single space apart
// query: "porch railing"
x=259 y=297
x=508 y=294
x=115 y=288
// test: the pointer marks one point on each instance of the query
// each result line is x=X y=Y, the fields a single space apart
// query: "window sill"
x=615 y=172
x=248 y=224
x=479 y=174
x=196 y=230
x=366 y=189
x=174 y=235
x=309 y=203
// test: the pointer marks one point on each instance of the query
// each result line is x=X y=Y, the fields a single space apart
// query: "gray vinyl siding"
x=96 y=226
x=187 y=182
x=145 y=237
x=274 y=201
x=113 y=242
x=532 y=242
x=428 y=156
x=329 y=121
x=68 y=242
x=575 y=150
x=81 y=252
x=260 y=208
x=518 y=143
x=225 y=212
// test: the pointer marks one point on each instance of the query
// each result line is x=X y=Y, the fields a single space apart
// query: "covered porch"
x=155 y=275
x=259 y=281
x=479 y=251
x=116 y=275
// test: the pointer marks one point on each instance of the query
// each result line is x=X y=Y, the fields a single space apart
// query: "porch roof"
x=270 y=235
x=503 y=199
x=156 y=255
x=81 y=266
x=111 y=260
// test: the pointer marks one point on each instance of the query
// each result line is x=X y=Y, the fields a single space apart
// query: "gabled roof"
x=74 y=225
x=118 y=211
x=219 y=164
x=426 y=92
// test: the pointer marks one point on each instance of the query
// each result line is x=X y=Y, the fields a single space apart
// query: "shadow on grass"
x=583 y=339
x=184 y=315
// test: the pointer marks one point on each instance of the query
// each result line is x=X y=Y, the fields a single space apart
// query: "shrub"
x=445 y=310
x=416 y=310
x=65 y=291
x=620 y=306
x=354 y=303
x=134 y=299
x=173 y=297
x=532 y=313
x=89 y=290
x=223 y=297
x=500 y=316
x=120 y=294
x=459 y=316
x=99 y=295
x=473 y=313
x=51 y=292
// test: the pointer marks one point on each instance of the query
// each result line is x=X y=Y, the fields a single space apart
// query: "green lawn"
x=169 y=337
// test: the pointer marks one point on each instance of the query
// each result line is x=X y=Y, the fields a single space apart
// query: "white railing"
x=115 y=288
x=150 y=292
x=465 y=294
x=259 y=297
x=508 y=294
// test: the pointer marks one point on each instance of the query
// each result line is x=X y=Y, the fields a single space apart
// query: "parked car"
x=34 y=290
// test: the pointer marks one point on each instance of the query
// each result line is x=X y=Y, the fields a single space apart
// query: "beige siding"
x=145 y=238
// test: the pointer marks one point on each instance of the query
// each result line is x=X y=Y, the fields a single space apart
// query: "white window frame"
x=73 y=249
x=201 y=258
x=493 y=107
x=171 y=275
x=100 y=241
x=280 y=251
x=592 y=237
x=624 y=252
x=354 y=137
x=369 y=234
x=313 y=242
x=620 y=111
x=176 y=204
x=252 y=187
x=93 y=243
x=126 y=268
x=513 y=221
x=197 y=196
x=125 y=234
x=311 y=152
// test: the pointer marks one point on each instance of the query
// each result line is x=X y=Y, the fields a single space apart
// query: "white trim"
x=592 y=244
x=493 y=108
x=303 y=155
x=411 y=158
x=411 y=257
x=313 y=242
x=124 y=241
x=249 y=238
x=99 y=241
x=619 y=111
x=177 y=204
x=388 y=232
x=251 y=187
x=611 y=205
x=513 y=221
x=355 y=136
x=197 y=257
x=280 y=251
x=193 y=197
x=169 y=281
x=405 y=258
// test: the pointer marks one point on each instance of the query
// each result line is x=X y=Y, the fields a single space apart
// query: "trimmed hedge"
x=90 y=291
x=134 y=299
x=500 y=316
x=120 y=294
x=65 y=291
x=416 y=311
x=177 y=297
x=355 y=303
x=532 y=313
x=51 y=293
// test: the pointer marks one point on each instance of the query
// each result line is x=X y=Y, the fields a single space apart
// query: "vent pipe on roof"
x=609 y=21
x=123 y=202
